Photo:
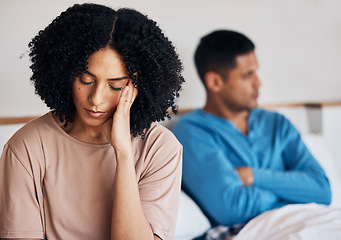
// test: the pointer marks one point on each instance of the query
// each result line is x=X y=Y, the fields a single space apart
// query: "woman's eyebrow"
x=91 y=74
x=118 y=79
x=110 y=79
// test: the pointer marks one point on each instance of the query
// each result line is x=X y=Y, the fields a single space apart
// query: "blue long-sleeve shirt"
x=284 y=170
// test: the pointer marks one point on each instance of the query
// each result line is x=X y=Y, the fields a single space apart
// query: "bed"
x=308 y=221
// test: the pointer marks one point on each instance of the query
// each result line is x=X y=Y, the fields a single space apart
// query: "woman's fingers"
x=120 y=131
x=131 y=94
x=127 y=97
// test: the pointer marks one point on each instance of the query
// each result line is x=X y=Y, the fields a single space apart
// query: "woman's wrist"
x=124 y=154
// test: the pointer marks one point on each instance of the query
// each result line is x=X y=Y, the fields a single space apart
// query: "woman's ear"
x=213 y=81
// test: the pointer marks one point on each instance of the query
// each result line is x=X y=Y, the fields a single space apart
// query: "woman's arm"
x=128 y=219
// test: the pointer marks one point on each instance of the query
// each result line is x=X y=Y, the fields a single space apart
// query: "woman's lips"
x=95 y=114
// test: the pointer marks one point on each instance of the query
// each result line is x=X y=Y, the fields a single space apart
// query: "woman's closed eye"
x=115 y=88
x=86 y=81
x=112 y=86
x=117 y=84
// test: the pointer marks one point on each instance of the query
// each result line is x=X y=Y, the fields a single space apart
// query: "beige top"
x=53 y=186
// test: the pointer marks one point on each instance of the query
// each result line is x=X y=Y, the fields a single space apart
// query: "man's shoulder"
x=266 y=120
x=193 y=118
x=196 y=125
x=267 y=114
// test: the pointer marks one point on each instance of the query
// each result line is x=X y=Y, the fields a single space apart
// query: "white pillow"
x=317 y=146
x=191 y=221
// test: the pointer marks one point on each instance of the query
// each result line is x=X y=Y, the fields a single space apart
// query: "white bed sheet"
x=295 y=222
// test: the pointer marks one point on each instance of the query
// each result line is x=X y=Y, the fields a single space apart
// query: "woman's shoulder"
x=157 y=129
x=34 y=130
x=160 y=135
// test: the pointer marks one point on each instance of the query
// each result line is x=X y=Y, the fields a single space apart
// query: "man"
x=239 y=160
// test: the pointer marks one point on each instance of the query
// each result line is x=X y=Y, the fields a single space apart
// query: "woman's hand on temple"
x=127 y=207
x=117 y=128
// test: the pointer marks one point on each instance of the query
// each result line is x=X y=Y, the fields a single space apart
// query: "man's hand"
x=246 y=175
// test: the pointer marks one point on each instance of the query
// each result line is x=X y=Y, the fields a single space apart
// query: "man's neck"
x=239 y=118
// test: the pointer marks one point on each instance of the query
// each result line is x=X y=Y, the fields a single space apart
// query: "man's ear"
x=213 y=81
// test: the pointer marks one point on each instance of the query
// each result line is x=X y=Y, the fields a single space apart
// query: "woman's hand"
x=117 y=128
x=127 y=207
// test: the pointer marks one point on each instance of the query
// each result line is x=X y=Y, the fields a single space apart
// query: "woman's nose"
x=97 y=96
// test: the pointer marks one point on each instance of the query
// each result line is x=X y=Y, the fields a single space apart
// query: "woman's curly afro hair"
x=59 y=53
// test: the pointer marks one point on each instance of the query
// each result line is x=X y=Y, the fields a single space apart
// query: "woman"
x=97 y=166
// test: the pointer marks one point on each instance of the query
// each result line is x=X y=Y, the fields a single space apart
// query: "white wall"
x=297 y=41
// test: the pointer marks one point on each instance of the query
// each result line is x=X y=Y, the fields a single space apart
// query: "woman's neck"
x=85 y=134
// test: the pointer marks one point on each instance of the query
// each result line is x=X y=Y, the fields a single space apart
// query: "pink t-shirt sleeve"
x=19 y=208
x=160 y=184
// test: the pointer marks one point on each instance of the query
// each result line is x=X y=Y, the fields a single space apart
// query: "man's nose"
x=257 y=82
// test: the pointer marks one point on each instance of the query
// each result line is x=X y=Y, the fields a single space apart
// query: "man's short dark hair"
x=218 y=50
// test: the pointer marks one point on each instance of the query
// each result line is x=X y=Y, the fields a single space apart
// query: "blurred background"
x=298 y=44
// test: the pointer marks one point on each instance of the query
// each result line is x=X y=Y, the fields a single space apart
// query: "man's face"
x=240 y=89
